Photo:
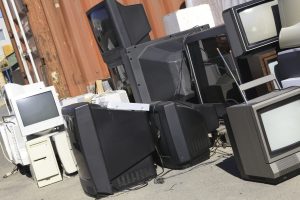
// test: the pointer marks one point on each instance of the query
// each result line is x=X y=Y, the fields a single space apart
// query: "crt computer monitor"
x=265 y=136
x=252 y=25
x=37 y=111
x=113 y=148
x=116 y=26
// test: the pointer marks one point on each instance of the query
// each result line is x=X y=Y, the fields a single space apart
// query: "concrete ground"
x=217 y=179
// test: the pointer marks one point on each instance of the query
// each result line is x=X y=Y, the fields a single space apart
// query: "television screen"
x=258 y=22
x=281 y=125
x=103 y=29
x=37 y=108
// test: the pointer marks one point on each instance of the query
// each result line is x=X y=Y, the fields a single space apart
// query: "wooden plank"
x=70 y=66
x=46 y=47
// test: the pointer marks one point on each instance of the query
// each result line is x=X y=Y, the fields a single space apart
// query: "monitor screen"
x=258 y=22
x=103 y=29
x=282 y=125
x=37 y=108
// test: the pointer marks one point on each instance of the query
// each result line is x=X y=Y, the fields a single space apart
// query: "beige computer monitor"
x=289 y=12
x=290 y=20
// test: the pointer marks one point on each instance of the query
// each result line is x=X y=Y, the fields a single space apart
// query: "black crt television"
x=252 y=25
x=116 y=26
x=113 y=148
x=183 y=134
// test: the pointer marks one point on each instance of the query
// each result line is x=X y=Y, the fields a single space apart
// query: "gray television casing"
x=235 y=33
x=250 y=145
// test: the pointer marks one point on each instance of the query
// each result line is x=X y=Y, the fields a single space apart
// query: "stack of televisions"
x=118 y=149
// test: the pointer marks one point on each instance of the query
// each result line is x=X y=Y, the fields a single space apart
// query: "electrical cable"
x=232 y=100
x=193 y=168
x=15 y=170
x=214 y=150
x=8 y=116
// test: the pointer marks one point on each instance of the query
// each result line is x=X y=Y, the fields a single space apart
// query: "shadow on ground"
x=229 y=166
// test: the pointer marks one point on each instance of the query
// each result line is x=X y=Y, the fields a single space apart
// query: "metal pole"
x=17 y=39
x=237 y=83
x=193 y=72
x=25 y=41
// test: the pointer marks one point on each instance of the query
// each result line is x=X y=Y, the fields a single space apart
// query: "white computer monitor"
x=37 y=111
x=11 y=90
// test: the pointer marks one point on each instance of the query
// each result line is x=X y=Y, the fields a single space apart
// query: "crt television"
x=183 y=134
x=37 y=111
x=116 y=26
x=252 y=25
x=113 y=148
x=265 y=136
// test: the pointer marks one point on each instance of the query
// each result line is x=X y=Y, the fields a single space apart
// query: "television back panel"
x=112 y=154
x=183 y=140
x=155 y=57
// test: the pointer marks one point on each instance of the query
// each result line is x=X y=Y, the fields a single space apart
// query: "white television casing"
x=188 y=18
x=290 y=82
x=42 y=125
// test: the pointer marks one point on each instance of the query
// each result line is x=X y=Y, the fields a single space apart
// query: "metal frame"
x=213 y=32
x=251 y=84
